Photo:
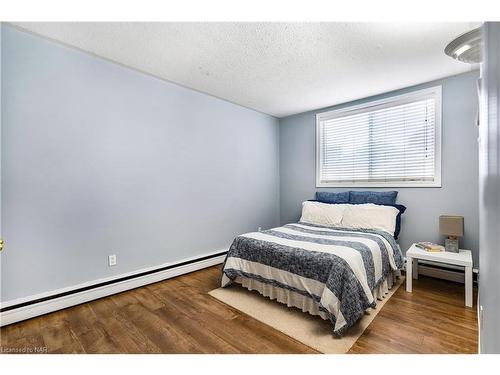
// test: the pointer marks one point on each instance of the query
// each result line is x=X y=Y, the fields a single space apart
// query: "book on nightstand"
x=430 y=247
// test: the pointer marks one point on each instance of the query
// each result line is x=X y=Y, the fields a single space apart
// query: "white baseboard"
x=58 y=303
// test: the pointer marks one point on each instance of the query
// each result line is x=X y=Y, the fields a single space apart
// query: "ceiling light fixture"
x=466 y=47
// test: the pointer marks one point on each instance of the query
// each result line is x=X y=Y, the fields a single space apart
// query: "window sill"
x=378 y=185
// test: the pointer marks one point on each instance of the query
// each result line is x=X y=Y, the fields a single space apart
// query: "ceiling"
x=276 y=68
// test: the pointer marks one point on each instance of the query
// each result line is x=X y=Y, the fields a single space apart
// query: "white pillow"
x=370 y=216
x=322 y=213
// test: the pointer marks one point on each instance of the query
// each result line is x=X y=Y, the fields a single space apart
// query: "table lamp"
x=452 y=227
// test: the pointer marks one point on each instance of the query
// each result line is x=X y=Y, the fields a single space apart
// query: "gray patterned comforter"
x=337 y=268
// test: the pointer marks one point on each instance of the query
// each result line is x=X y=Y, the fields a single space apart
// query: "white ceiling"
x=276 y=68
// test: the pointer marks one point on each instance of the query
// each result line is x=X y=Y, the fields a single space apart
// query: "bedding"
x=338 y=269
x=401 y=210
x=328 y=197
x=322 y=213
x=376 y=197
x=358 y=197
x=370 y=216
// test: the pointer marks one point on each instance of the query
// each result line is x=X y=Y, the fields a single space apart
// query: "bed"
x=336 y=273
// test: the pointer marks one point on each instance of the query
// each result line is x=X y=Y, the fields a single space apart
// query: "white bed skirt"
x=306 y=304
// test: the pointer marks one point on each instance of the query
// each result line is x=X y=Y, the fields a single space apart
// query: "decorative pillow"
x=322 y=213
x=370 y=216
x=328 y=197
x=375 y=197
x=401 y=209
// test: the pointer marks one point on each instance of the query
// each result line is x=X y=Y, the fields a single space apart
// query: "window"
x=390 y=142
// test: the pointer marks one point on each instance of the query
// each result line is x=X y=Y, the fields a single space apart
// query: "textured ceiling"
x=276 y=68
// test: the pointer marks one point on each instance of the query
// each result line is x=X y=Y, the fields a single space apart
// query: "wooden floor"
x=178 y=316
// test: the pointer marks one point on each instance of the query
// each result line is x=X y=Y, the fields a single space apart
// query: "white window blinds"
x=393 y=142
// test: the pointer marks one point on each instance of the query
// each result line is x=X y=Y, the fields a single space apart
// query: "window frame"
x=391 y=101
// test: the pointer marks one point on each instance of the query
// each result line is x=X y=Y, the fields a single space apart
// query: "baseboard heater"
x=59 y=300
x=444 y=271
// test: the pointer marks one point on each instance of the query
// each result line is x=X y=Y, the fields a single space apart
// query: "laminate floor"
x=178 y=316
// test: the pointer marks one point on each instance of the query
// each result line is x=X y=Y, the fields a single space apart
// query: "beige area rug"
x=309 y=330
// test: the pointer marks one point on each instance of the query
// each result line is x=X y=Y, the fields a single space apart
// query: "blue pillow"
x=327 y=197
x=375 y=197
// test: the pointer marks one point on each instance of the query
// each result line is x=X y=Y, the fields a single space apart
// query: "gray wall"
x=458 y=194
x=100 y=159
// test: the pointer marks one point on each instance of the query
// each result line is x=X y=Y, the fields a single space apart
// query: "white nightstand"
x=463 y=259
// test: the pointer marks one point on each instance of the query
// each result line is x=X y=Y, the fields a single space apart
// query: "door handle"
x=1 y=244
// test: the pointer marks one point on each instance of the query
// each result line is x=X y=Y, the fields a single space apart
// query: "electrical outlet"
x=112 y=260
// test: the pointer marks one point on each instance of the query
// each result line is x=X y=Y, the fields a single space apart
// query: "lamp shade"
x=451 y=225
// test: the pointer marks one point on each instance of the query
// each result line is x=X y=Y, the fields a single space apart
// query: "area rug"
x=309 y=330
